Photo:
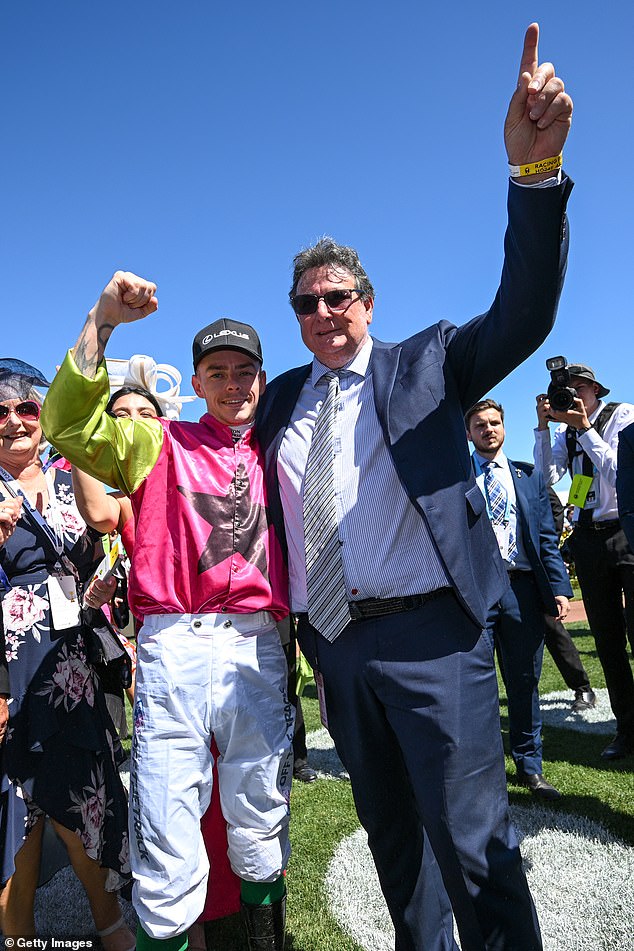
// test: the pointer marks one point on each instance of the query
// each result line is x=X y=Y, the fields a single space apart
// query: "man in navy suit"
x=521 y=516
x=406 y=676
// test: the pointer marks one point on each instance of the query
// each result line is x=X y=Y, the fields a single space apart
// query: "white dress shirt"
x=502 y=472
x=387 y=549
x=602 y=450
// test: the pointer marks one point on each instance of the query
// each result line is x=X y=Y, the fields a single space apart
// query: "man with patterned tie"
x=521 y=517
x=403 y=667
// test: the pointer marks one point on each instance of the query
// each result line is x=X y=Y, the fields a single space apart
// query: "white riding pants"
x=196 y=675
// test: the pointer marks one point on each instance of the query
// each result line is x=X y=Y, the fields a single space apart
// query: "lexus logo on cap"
x=223 y=333
x=226 y=334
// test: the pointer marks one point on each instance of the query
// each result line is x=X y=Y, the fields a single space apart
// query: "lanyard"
x=56 y=545
x=33 y=512
x=5 y=584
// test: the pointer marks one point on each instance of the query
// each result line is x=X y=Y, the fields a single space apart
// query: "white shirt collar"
x=595 y=413
x=500 y=460
x=358 y=364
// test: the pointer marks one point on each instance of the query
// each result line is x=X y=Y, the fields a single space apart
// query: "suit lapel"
x=277 y=407
x=521 y=483
x=384 y=363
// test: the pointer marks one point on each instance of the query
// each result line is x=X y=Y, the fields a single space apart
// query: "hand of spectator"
x=540 y=112
x=575 y=417
x=100 y=592
x=4 y=717
x=543 y=411
x=564 y=606
x=124 y=299
x=10 y=510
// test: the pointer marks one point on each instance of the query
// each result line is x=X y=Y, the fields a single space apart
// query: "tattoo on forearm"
x=103 y=336
x=85 y=349
x=90 y=346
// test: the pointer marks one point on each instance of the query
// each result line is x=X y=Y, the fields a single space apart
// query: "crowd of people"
x=259 y=520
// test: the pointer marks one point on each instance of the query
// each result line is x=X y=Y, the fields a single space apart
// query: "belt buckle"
x=355 y=613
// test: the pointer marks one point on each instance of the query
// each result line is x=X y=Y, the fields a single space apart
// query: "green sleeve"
x=119 y=452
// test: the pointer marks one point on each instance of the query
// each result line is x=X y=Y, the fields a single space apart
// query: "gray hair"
x=327 y=253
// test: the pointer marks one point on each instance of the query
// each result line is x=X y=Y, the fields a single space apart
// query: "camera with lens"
x=561 y=395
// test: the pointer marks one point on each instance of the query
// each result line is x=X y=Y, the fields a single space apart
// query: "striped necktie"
x=498 y=499
x=327 y=601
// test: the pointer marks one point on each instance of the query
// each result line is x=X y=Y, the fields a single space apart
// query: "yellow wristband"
x=534 y=168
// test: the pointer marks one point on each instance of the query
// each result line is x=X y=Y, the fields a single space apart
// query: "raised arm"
x=550 y=459
x=485 y=350
x=98 y=509
x=119 y=452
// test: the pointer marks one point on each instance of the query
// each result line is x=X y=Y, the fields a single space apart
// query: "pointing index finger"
x=530 y=54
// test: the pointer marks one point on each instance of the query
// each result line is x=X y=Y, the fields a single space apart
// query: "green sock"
x=260 y=893
x=145 y=943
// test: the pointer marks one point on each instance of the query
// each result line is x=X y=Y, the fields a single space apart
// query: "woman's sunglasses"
x=28 y=410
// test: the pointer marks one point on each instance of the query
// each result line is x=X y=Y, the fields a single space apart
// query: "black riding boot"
x=265 y=925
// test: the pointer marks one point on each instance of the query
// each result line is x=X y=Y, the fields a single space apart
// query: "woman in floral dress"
x=60 y=750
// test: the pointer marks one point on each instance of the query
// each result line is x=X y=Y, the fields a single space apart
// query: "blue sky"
x=202 y=144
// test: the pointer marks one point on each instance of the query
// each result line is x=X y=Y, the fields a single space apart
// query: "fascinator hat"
x=18 y=378
x=146 y=373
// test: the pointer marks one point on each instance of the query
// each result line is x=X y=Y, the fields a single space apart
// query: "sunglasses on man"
x=305 y=304
x=27 y=409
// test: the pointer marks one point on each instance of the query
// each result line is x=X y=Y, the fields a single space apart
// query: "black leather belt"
x=519 y=573
x=607 y=524
x=378 y=607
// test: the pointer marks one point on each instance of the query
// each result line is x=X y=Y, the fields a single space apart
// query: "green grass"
x=572 y=760
x=323 y=813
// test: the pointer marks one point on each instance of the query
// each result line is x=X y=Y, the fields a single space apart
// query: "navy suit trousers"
x=517 y=625
x=412 y=706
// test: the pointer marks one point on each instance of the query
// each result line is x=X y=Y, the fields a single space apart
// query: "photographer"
x=585 y=445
